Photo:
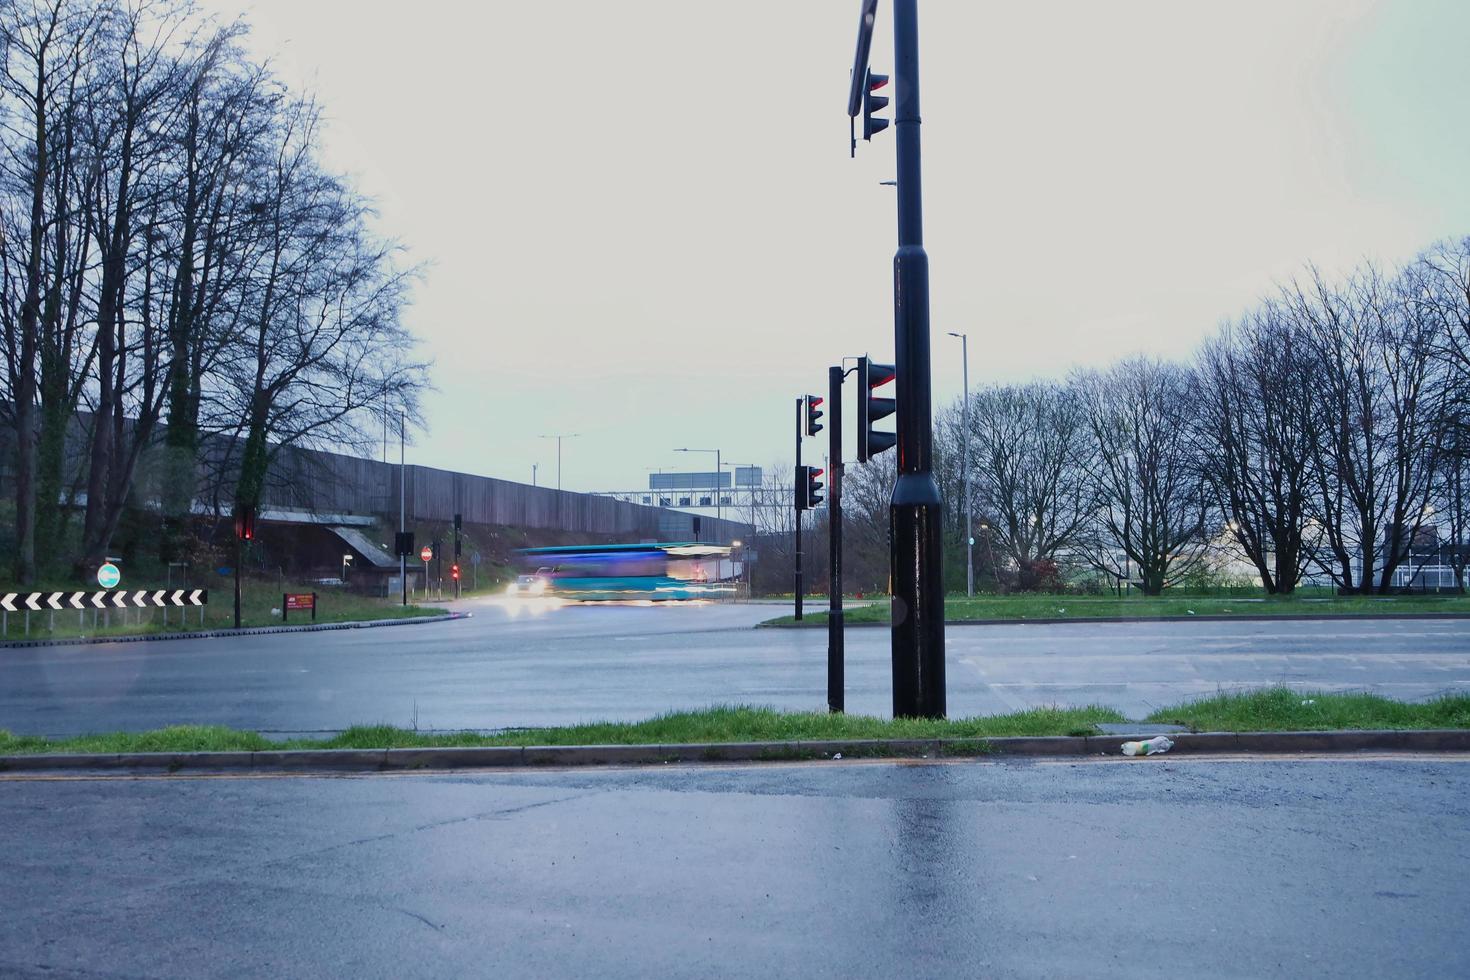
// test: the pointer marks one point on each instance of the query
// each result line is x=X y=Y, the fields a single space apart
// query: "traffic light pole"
x=796 y=491
x=914 y=511
x=835 y=652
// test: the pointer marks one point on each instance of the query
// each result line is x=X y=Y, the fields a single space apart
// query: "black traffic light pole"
x=796 y=491
x=835 y=652
x=915 y=510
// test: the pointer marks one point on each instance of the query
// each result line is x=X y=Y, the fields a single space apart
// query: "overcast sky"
x=640 y=222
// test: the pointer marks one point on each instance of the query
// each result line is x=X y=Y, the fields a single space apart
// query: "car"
x=529 y=585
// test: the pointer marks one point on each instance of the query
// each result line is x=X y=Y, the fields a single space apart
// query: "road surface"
x=539 y=664
x=1108 y=868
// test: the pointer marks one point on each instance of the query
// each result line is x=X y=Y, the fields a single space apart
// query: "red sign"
x=300 y=600
x=426 y=553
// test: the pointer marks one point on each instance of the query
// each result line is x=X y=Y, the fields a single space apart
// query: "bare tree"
x=1381 y=422
x=1257 y=436
x=1028 y=443
x=1152 y=501
x=46 y=47
x=321 y=345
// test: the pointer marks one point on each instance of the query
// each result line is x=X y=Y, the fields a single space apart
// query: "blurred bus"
x=621 y=572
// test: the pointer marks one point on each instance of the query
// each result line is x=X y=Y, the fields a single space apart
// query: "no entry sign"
x=426 y=553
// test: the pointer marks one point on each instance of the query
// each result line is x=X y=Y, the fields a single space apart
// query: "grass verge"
x=726 y=723
x=1024 y=607
x=1274 y=709
x=1283 y=710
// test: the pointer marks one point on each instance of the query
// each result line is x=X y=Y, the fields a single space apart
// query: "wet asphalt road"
x=1156 y=868
x=515 y=665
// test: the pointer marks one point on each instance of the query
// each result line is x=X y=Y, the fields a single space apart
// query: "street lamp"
x=558 y=437
x=965 y=471
x=719 y=473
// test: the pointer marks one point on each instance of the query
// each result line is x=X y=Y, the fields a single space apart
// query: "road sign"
x=474 y=558
x=299 y=601
x=426 y=553
x=108 y=575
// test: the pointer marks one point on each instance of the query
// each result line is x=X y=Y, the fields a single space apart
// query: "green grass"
x=728 y=723
x=1275 y=709
x=258 y=599
x=1023 y=607
x=1281 y=709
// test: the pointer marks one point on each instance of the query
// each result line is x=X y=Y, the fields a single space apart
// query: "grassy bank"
x=1024 y=607
x=1266 y=710
x=1284 y=710
x=260 y=605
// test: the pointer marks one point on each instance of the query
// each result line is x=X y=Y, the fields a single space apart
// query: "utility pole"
x=796 y=491
x=835 y=651
x=965 y=472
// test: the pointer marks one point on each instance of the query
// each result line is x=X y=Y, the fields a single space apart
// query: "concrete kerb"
x=508 y=757
x=247 y=631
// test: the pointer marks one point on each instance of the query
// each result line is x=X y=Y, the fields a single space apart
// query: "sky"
x=639 y=223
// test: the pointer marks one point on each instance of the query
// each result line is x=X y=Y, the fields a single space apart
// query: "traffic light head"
x=813 y=414
x=808 y=487
x=814 y=487
x=871 y=441
x=454 y=571
x=873 y=103
x=245 y=523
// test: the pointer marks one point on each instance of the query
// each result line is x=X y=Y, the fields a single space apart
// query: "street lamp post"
x=965 y=471
x=558 y=437
x=719 y=475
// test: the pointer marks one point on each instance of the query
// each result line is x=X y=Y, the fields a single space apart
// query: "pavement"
x=531 y=663
x=1342 y=867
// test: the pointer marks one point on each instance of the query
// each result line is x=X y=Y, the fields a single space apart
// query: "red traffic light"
x=454 y=572
x=245 y=523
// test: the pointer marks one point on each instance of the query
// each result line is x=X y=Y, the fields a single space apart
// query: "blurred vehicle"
x=622 y=572
x=530 y=585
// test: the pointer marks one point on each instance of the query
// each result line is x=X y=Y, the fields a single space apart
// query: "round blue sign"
x=108 y=576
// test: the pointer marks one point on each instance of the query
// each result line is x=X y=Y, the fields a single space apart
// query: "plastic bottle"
x=1153 y=746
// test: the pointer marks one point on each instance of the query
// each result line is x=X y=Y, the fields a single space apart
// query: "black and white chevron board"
x=102 y=603
x=104 y=599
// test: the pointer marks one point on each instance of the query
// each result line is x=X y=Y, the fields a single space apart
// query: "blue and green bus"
x=622 y=572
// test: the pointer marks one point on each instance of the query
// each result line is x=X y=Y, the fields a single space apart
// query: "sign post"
x=297 y=601
x=427 y=555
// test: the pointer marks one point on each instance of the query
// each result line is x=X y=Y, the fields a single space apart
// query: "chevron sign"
x=142 y=599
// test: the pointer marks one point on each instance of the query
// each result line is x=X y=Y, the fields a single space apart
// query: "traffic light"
x=873 y=103
x=871 y=441
x=808 y=487
x=813 y=413
x=454 y=571
x=245 y=523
